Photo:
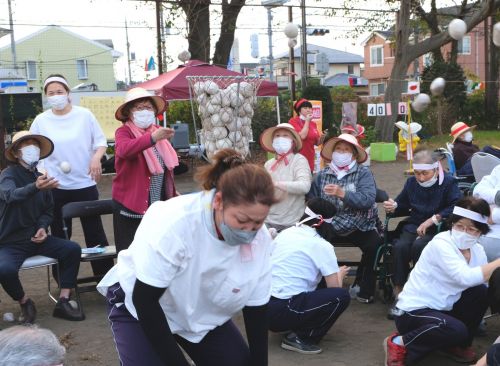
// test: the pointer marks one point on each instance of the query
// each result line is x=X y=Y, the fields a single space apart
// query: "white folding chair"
x=482 y=164
x=42 y=261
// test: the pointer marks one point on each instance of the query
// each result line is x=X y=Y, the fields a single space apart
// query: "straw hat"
x=46 y=145
x=414 y=126
x=329 y=146
x=349 y=128
x=139 y=93
x=266 y=138
x=459 y=128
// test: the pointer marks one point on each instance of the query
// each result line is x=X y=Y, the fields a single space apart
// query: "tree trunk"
x=223 y=46
x=491 y=95
x=198 y=17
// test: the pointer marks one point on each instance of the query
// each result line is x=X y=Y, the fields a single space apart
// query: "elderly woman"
x=79 y=145
x=303 y=123
x=290 y=172
x=351 y=188
x=26 y=211
x=144 y=163
x=463 y=148
x=445 y=297
x=428 y=198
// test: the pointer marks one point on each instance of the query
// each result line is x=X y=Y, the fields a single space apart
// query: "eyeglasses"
x=143 y=107
x=468 y=229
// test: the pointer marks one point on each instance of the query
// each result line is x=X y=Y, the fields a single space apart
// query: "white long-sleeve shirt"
x=486 y=189
x=294 y=182
x=441 y=275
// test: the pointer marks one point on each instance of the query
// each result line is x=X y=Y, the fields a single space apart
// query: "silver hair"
x=30 y=346
x=424 y=157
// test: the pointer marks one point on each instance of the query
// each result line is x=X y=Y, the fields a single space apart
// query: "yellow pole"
x=409 y=149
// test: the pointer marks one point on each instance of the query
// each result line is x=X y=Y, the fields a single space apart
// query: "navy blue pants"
x=310 y=315
x=427 y=330
x=13 y=255
x=222 y=346
x=93 y=230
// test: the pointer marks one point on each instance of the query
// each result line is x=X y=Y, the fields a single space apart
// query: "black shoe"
x=64 y=310
x=292 y=342
x=28 y=312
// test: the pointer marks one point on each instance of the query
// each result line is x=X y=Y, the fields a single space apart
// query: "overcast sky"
x=100 y=19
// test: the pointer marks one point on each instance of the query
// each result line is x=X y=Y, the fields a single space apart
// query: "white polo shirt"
x=441 y=275
x=207 y=280
x=301 y=257
x=76 y=135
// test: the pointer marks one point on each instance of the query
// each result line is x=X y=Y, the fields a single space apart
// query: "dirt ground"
x=356 y=339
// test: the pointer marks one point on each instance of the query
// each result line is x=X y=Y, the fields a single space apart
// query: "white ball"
x=437 y=86
x=223 y=143
x=225 y=98
x=246 y=131
x=215 y=99
x=234 y=125
x=226 y=115
x=291 y=30
x=213 y=108
x=184 y=56
x=65 y=167
x=202 y=111
x=235 y=136
x=201 y=99
x=215 y=121
x=457 y=29
x=496 y=34
x=245 y=121
x=246 y=89
x=219 y=133
x=241 y=112
x=199 y=87
x=292 y=42
x=421 y=102
x=236 y=100
x=248 y=107
x=211 y=87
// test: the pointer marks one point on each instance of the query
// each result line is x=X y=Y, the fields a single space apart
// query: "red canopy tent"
x=173 y=85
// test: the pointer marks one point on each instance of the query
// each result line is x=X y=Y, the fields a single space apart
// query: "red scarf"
x=279 y=159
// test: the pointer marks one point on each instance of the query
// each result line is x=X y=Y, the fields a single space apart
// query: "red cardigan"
x=309 y=142
x=131 y=184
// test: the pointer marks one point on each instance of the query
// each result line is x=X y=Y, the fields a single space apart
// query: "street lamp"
x=291 y=32
x=269 y=5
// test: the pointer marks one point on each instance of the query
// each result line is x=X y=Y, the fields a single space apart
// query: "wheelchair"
x=465 y=182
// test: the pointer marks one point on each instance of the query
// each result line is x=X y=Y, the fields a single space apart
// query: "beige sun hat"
x=139 y=93
x=459 y=128
x=329 y=146
x=266 y=138
x=46 y=145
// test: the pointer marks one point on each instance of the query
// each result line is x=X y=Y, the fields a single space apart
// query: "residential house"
x=339 y=62
x=379 y=52
x=56 y=50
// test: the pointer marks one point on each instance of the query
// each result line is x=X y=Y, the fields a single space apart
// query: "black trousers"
x=368 y=242
x=13 y=255
x=124 y=228
x=93 y=230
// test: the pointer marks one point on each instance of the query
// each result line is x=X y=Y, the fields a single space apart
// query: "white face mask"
x=463 y=240
x=282 y=145
x=341 y=159
x=30 y=154
x=467 y=137
x=58 y=102
x=143 y=119
x=428 y=183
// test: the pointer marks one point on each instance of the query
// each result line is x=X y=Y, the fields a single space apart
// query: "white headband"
x=55 y=79
x=312 y=216
x=426 y=166
x=473 y=215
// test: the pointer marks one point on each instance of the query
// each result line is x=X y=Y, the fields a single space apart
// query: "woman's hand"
x=343 y=271
x=334 y=190
x=389 y=205
x=309 y=117
x=163 y=133
x=95 y=168
x=40 y=236
x=44 y=182
x=422 y=229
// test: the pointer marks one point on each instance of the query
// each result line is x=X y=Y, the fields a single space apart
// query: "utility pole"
x=12 y=41
x=303 y=77
x=270 y=41
x=291 y=61
x=158 y=37
x=163 y=38
x=128 y=54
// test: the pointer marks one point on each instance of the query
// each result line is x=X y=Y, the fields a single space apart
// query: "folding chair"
x=482 y=164
x=85 y=209
x=41 y=261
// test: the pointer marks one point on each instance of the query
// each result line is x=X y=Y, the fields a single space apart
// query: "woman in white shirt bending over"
x=79 y=145
x=302 y=258
x=290 y=172
x=445 y=298
x=196 y=260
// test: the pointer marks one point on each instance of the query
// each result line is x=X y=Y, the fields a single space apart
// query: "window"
x=81 y=69
x=464 y=46
x=377 y=89
x=377 y=56
x=350 y=69
x=31 y=70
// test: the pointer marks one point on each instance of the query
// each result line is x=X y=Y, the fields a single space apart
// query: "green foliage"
x=265 y=116
x=181 y=111
x=321 y=93
x=311 y=81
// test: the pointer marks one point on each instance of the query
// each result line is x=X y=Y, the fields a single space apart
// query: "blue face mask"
x=236 y=237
